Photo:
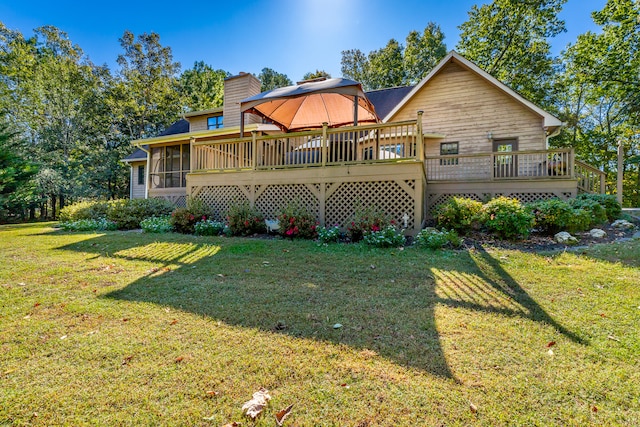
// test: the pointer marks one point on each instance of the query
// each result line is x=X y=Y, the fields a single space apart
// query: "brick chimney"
x=237 y=88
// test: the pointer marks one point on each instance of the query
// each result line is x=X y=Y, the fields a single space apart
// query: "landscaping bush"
x=128 y=214
x=458 y=214
x=388 y=237
x=208 y=227
x=84 y=210
x=329 y=235
x=367 y=219
x=88 y=225
x=184 y=220
x=552 y=216
x=244 y=220
x=507 y=218
x=432 y=238
x=597 y=212
x=607 y=201
x=296 y=220
x=157 y=224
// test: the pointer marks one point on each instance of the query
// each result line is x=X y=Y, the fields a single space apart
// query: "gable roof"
x=384 y=100
x=549 y=119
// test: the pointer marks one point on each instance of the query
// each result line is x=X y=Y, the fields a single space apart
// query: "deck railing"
x=501 y=166
x=590 y=179
x=323 y=147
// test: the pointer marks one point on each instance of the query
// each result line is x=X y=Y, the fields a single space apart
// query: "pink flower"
x=191 y=217
x=375 y=228
x=204 y=217
x=289 y=232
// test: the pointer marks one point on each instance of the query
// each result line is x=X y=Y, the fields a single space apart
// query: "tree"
x=271 y=79
x=509 y=40
x=17 y=187
x=202 y=87
x=316 y=75
x=145 y=93
x=395 y=64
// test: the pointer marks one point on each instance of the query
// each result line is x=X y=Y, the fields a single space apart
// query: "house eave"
x=235 y=130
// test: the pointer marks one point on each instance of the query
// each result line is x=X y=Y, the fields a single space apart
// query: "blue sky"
x=289 y=36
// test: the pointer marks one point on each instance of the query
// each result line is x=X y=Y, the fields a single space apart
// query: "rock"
x=597 y=233
x=565 y=238
x=622 y=224
x=636 y=236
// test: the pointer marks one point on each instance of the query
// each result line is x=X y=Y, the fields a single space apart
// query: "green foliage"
x=89 y=225
x=507 y=218
x=597 y=212
x=554 y=215
x=128 y=214
x=608 y=201
x=202 y=87
x=296 y=220
x=460 y=214
x=84 y=210
x=316 y=74
x=209 y=227
x=367 y=219
x=388 y=237
x=433 y=238
x=509 y=40
x=17 y=185
x=396 y=65
x=329 y=234
x=157 y=224
x=271 y=79
x=244 y=220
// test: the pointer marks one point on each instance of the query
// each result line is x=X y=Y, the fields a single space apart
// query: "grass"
x=121 y=328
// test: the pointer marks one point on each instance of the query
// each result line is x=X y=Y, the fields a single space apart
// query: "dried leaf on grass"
x=233 y=424
x=473 y=408
x=254 y=407
x=281 y=415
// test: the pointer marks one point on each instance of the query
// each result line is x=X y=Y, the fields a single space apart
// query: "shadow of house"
x=264 y=285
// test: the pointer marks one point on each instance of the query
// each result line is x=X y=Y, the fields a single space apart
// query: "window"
x=170 y=166
x=214 y=122
x=140 y=175
x=448 y=149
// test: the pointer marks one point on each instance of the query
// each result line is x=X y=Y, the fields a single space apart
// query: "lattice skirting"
x=435 y=199
x=333 y=203
x=179 y=201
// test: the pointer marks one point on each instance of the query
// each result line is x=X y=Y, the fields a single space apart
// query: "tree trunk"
x=54 y=199
x=32 y=212
x=61 y=201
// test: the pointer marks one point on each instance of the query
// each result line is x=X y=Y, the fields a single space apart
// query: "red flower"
x=246 y=223
x=375 y=228
x=289 y=232
x=204 y=217
x=291 y=220
x=191 y=217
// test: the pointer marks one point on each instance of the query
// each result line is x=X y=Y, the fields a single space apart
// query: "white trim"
x=549 y=119
x=131 y=182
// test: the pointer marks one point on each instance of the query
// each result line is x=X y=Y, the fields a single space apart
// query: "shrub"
x=157 y=224
x=608 y=202
x=183 y=221
x=507 y=218
x=128 y=214
x=245 y=220
x=551 y=216
x=458 y=214
x=329 y=235
x=208 y=227
x=88 y=225
x=198 y=208
x=388 y=237
x=84 y=210
x=434 y=239
x=367 y=219
x=296 y=220
x=597 y=212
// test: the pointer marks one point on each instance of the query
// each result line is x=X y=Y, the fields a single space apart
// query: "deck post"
x=324 y=143
x=420 y=138
x=192 y=154
x=572 y=167
x=254 y=149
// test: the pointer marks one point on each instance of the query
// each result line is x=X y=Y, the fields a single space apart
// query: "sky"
x=289 y=36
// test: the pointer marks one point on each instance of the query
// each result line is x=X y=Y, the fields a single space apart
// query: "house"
x=458 y=132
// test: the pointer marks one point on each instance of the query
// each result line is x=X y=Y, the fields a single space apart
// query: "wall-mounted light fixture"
x=489 y=135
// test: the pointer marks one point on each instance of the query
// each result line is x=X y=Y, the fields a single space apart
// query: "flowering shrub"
x=434 y=239
x=208 y=228
x=157 y=224
x=297 y=221
x=329 y=235
x=89 y=225
x=388 y=237
x=244 y=220
x=367 y=219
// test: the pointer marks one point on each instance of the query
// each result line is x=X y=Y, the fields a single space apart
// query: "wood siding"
x=465 y=107
x=236 y=89
x=137 y=190
x=198 y=122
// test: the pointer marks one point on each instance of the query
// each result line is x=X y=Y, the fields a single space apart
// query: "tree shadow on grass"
x=384 y=300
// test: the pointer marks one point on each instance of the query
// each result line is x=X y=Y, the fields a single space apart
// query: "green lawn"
x=122 y=328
